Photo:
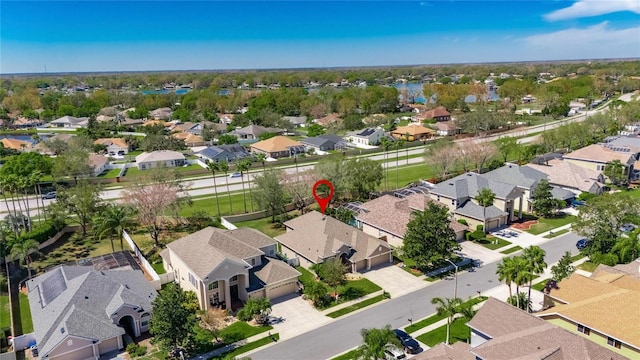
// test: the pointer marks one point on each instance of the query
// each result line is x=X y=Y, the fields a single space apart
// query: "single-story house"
x=115 y=146
x=438 y=114
x=15 y=144
x=98 y=163
x=571 y=176
x=328 y=119
x=446 y=128
x=253 y=132
x=324 y=142
x=24 y=123
x=161 y=113
x=313 y=238
x=296 y=121
x=278 y=147
x=225 y=267
x=160 y=158
x=228 y=153
x=366 y=137
x=189 y=139
x=413 y=132
x=387 y=217
x=82 y=313
x=70 y=122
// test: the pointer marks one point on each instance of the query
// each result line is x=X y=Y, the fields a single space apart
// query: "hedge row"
x=41 y=233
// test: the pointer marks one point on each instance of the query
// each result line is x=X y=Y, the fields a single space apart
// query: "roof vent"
x=62 y=330
x=86 y=298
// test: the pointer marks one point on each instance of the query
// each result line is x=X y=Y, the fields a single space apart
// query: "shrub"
x=606 y=259
x=41 y=233
x=136 y=350
x=480 y=228
x=585 y=196
x=463 y=221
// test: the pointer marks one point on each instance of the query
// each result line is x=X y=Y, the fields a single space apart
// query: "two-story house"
x=227 y=267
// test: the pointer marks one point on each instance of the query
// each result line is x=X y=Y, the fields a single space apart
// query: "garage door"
x=379 y=260
x=83 y=353
x=283 y=289
x=108 y=345
x=493 y=224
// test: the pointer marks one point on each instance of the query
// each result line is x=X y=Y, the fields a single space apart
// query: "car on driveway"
x=582 y=243
x=49 y=195
x=235 y=175
x=410 y=344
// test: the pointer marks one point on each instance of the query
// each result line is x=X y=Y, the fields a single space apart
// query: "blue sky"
x=104 y=35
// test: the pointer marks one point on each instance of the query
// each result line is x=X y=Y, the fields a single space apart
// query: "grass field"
x=459 y=332
x=553 y=234
x=241 y=330
x=264 y=225
x=5 y=312
x=209 y=206
x=546 y=224
x=25 y=314
x=407 y=175
x=109 y=174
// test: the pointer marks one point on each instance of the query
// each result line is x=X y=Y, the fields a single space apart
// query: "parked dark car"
x=49 y=195
x=583 y=243
x=410 y=344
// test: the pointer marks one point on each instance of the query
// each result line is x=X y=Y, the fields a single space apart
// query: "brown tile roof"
x=515 y=334
x=446 y=126
x=275 y=144
x=392 y=214
x=329 y=119
x=565 y=173
x=206 y=249
x=605 y=303
x=275 y=271
x=189 y=139
x=317 y=237
x=598 y=153
x=439 y=111
x=15 y=144
x=112 y=141
x=412 y=130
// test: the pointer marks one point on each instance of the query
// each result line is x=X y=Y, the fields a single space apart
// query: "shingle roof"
x=521 y=176
x=251 y=237
x=568 y=174
x=473 y=210
x=446 y=126
x=412 y=130
x=561 y=194
x=469 y=184
x=439 y=111
x=598 y=153
x=316 y=237
x=159 y=155
x=276 y=144
x=112 y=141
x=97 y=160
x=455 y=351
x=329 y=119
x=322 y=140
x=80 y=300
x=274 y=271
x=206 y=249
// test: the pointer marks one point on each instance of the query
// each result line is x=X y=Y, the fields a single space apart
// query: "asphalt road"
x=344 y=334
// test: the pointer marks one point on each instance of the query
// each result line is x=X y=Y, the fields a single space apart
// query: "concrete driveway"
x=292 y=316
x=479 y=253
x=394 y=280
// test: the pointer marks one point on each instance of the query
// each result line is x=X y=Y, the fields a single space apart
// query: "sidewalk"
x=230 y=347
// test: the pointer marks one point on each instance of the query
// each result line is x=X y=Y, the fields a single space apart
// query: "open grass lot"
x=511 y=250
x=546 y=224
x=435 y=318
x=407 y=175
x=459 y=332
x=493 y=243
x=25 y=314
x=5 y=312
x=110 y=174
x=142 y=238
x=209 y=206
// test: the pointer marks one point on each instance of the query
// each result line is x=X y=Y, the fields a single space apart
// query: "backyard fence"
x=156 y=280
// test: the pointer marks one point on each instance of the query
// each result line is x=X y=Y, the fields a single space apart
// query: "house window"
x=192 y=280
x=253 y=262
x=438 y=197
x=213 y=285
x=613 y=342
x=453 y=201
x=234 y=278
x=144 y=323
x=583 y=329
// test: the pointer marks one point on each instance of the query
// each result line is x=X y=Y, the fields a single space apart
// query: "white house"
x=366 y=137
x=160 y=158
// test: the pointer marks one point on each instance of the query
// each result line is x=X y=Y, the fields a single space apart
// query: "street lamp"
x=455 y=290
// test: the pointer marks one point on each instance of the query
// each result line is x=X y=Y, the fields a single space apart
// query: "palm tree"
x=398 y=144
x=628 y=245
x=468 y=312
x=520 y=301
x=505 y=272
x=113 y=220
x=243 y=166
x=213 y=167
x=449 y=308
x=224 y=167
x=521 y=273
x=375 y=341
x=262 y=158
x=22 y=250
x=485 y=199
x=386 y=144
x=535 y=257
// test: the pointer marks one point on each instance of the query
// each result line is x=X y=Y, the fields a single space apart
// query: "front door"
x=234 y=292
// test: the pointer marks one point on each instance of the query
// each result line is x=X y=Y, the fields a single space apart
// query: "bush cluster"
x=136 y=350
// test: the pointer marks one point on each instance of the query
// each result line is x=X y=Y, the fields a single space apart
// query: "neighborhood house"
x=160 y=158
x=278 y=147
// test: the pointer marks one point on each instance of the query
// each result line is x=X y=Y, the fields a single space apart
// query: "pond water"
x=19 y=137
x=416 y=88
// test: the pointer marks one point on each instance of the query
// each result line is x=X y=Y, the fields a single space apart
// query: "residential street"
x=343 y=334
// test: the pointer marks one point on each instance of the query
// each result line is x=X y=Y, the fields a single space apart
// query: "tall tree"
x=507 y=146
x=442 y=156
x=224 y=167
x=243 y=166
x=429 y=237
x=448 y=307
x=522 y=274
x=214 y=166
x=364 y=177
x=332 y=272
x=22 y=250
x=543 y=202
x=534 y=255
x=505 y=272
x=173 y=322
x=113 y=220
x=615 y=171
x=485 y=198
x=82 y=201
x=375 y=341
x=563 y=269
x=270 y=194
x=628 y=246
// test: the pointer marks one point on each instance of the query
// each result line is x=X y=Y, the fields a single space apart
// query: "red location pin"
x=323 y=202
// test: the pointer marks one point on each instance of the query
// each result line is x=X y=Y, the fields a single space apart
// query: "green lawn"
x=577 y=257
x=25 y=314
x=511 y=250
x=540 y=286
x=241 y=330
x=264 y=225
x=554 y=234
x=109 y=174
x=459 y=332
x=351 y=290
x=407 y=175
x=491 y=243
x=356 y=306
x=351 y=355
x=248 y=347
x=208 y=205
x=158 y=267
x=435 y=318
x=546 y=224
x=364 y=286
x=588 y=266
x=5 y=312
x=307 y=277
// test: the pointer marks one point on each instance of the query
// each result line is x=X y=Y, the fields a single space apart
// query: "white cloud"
x=586 y=8
x=597 y=41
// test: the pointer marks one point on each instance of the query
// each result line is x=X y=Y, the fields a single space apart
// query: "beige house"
x=568 y=175
x=522 y=177
x=98 y=164
x=82 y=313
x=115 y=146
x=227 y=267
x=602 y=308
x=500 y=331
x=15 y=144
x=459 y=193
x=278 y=147
x=189 y=139
x=160 y=158
x=595 y=157
x=413 y=132
x=313 y=238
x=387 y=217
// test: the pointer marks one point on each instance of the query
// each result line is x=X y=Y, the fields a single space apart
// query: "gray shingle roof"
x=521 y=176
x=83 y=308
x=469 y=184
x=473 y=210
x=561 y=194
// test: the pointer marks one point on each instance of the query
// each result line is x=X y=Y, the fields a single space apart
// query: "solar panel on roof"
x=52 y=287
